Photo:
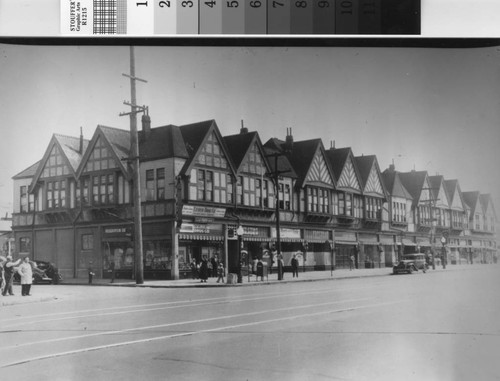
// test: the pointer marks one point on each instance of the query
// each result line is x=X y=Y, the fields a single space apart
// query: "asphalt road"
x=434 y=326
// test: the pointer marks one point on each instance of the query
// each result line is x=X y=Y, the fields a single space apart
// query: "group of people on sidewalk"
x=207 y=269
x=8 y=268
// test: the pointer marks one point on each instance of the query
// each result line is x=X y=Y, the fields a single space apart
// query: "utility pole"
x=134 y=159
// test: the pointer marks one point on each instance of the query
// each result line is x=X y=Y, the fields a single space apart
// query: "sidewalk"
x=41 y=293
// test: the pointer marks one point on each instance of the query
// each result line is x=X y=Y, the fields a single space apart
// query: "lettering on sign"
x=203 y=211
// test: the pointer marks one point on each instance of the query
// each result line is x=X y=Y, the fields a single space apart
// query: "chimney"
x=243 y=129
x=289 y=140
x=146 y=123
x=332 y=144
x=392 y=167
x=80 y=149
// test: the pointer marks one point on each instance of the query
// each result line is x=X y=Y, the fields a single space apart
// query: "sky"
x=433 y=109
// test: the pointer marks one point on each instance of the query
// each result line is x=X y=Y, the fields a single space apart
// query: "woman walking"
x=26 y=272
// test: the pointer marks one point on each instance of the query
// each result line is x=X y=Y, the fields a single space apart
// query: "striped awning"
x=257 y=239
x=201 y=237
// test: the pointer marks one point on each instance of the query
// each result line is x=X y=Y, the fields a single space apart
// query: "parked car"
x=410 y=263
x=43 y=272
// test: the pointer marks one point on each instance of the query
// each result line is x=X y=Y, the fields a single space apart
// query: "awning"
x=201 y=237
x=257 y=239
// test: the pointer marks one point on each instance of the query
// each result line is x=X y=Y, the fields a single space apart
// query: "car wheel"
x=410 y=270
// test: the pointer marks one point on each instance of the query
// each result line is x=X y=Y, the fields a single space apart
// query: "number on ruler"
x=188 y=4
x=144 y=3
x=232 y=4
x=275 y=3
x=211 y=4
x=164 y=3
x=255 y=4
x=346 y=7
x=323 y=4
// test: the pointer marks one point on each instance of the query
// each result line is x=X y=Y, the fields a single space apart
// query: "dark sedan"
x=411 y=263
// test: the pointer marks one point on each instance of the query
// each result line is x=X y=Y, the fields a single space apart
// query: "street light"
x=239 y=233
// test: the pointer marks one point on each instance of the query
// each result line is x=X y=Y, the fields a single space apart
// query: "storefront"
x=198 y=241
x=346 y=245
x=117 y=248
x=370 y=251
x=390 y=250
x=319 y=251
x=291 y=243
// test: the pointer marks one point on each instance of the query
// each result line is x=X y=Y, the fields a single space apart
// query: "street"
x=435 y=326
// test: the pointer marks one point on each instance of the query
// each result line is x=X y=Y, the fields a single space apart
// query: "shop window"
x=87 y=242
x=157 y=255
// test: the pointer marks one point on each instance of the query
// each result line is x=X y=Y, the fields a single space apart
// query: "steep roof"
x=486 y=201
x=194 y=134
x=437 y=182
x=162 y=142
x=28 y=172
x=394 y=185
x=471 y=199
x=238 y=146
x=414 y=182
x=118 y=139
x=285 y=167
x=338 y=158
x=303 y=156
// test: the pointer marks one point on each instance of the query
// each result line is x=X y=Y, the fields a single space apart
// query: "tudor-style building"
x=74 y=207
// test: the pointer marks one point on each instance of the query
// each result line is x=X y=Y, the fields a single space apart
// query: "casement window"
x=318 y=200
x=155 y=184
x=372 y=206
x=103 y=190
x=27 y=200
x=398 y=211
x=56 y=194
x=25 y=245
x=230 y=189
x=208 y=185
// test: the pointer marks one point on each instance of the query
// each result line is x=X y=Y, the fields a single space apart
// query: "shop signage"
x=386 y=240
x=286 y=233
x=194 y=228
x=315 y=235
x=345 y=236
x=203 y=211
x=368 y=238
x=117 y=230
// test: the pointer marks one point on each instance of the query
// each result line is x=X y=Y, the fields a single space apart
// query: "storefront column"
x=175 y=252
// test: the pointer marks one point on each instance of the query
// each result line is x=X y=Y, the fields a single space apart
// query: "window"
x=150 y=185
x=160 y=184
x=211 y=154
x=230 y=189
x=55 y=165
x=87 y=242
x=27 y=201
x=372 y=207
x=318 y=200
x=25 y=245
x=103 y=189
x=101 y=158
x=56 y=194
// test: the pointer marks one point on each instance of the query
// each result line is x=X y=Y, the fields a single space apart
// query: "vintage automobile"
x=410 y=263
x=43 y=272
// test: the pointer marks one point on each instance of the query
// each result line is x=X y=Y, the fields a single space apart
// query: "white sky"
x=428 y=109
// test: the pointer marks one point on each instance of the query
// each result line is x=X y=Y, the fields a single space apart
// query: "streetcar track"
x=196 y=332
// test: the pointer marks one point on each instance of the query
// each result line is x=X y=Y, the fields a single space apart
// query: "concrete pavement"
x=41 y=293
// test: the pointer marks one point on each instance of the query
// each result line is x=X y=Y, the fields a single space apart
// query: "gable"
x=348 y=178
x=100 y=158
x=456 y=203
x=373 y=184
x=253 y=161
x=211 y=153
x=425 y=194
x=55 y=165
x=442 y=198
x=318 y=171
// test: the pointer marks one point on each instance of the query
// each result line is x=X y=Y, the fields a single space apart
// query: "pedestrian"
x=2 y=278
x=91 y=272
x=260 y=270
x=204 y=270
x=352 y=262
x=220 y=272
x=295 y=266
x=281 y=266
x=26 y=272
x=194 y=269
x=215 y=266
x=9 y=268
x=112 y=269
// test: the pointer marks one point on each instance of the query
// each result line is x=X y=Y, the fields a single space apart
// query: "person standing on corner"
x=91 y=272
x=9 y=274
x=295 y=266
x=352 y=262
x=26 y=272
x=220 y=272
x=112 y=269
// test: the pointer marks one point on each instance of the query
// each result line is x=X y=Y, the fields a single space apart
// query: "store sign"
x=286 y=233
x=203 y=211
x=117 y=230
x=345 y=236
x=317 y=235
x=194 y=228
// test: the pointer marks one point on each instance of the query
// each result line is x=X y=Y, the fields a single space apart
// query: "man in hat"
x=9 y=274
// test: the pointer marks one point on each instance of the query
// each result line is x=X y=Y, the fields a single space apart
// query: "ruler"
x=240 y=17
